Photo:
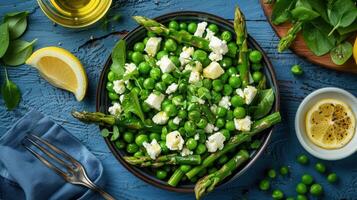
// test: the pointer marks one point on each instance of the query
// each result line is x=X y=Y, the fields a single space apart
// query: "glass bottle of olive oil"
x=75 y=13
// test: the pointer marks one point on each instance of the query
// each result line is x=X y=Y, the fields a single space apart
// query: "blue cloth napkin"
x=22 y=176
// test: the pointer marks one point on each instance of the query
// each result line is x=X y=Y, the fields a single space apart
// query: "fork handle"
x=94 y=187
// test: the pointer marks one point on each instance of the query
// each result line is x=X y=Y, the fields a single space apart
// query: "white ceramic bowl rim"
x=312 y=98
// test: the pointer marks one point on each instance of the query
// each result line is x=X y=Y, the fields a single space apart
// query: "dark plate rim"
x=137 y=171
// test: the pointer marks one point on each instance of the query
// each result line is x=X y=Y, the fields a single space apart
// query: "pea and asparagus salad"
x=187 y=101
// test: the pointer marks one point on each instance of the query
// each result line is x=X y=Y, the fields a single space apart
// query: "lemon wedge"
x=60 y=68
x=355 y=50
x=330 y=124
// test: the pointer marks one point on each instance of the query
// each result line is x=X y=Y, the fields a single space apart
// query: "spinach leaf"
x=4 y=38
x=10 y=92
x=341 y=13
x=281 y=11
x=18 y=51
x=105 y=132
x=17 y=23
x=115 y=135
x=118 y=58
x=341 y=53
x=349 y=29
x=320 y=7
x=265 y=99
x=131 y=104
x=316 y=37
x=304 y=14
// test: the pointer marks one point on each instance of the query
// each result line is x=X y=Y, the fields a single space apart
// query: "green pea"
x=255 y=56
x=161 y=54
x=132 y=148
x=189 y=127
x=163 y=135
x=174 y=25
x=224 y=77
x=227 y=90
x=232 y=71
x=217 y=85
x=167 y=78
x=216 y=97
x=320 y=167
x=202 y=123
x=234 y=81
x=145 y=40
x=175 y=60
x=226 y=62
x=297 y=70
x=151 y=34
x=226 y=35
x=146 y=108
x=170 y=110
x=177 y=100
x=221 y=111
x=207 y=83
x=191 y=144
x=277 y=194
x=237 y=101
x=160 y=86
x=220 y=122
x=230 y=125
x=226 y=133
x=182 y=87
x=110 y=87
x=192 y=27
x=316 y=189
x=257 y=66
x=213 y=27
x=257 y=76
x=284 y=170
x=120 y=144
x=139 y=46
x=155 y=73
x=111 y=76
x=272 y=173
x=155 y=136
x=200 y=55
x=194 y=115
x=130 y=54
x=172 y=125
x=301 y=197
x=144 y=68
x=201 y=149
x=161 y=174
x=192 y=106
x=264 y=185
x=163 y=147
x=170 y=45
x=128 y=137
x=185 y=168
x=239 y=112
x=149 y=83
x=113 y=96
x=301 y=188
x=140 y=139
x=136 y=90
x=303 y=159
x=138 y=154
x=137 y=57
x=183 y=26
x=332 y=178
x=232 y=48
x=307 y=179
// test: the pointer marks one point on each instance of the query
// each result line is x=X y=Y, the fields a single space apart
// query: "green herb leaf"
x=316 y=37
x=4 y=38
x=265 y=99
x=17 y=23
x=118 y=58
x=304 y=14
x=320 y=7
x=105 y=132
x=131 y=104
x=341 y=53
x=11 y=93
x=349 y=29
x=281 y=11
x=18 y=51
x=341 y=13
x=116 y=134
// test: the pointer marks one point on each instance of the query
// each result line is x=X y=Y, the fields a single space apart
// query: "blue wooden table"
x=93 y=46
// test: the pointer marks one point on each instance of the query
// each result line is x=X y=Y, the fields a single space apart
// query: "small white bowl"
x=306 y=104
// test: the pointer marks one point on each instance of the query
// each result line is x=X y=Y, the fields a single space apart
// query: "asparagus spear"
x=241 y=33
x=236 y=140
x=290 y=36
x=172 y=159
x=208 y=183
x=179 y=36
x=110 y=120
x=176 y=177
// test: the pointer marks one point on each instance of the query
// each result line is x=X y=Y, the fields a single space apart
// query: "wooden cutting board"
x=299 y=47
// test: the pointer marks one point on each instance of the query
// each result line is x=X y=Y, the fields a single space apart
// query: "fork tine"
x=49 y=154
x=56 y=149
x=46 y=162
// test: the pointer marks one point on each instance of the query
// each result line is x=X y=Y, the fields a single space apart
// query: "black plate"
x=138 y=34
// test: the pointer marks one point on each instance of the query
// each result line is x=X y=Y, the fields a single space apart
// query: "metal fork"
x=74 y=173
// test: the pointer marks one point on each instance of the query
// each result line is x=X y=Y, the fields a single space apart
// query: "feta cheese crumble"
x=213 y=70
x=176 y=120
x=248 y=94
x=160 y=118
x=215 y=142
x=215 y=57
x=185 y=152
x=115 y=109
x=200 y=29
x=152 y=45
x=195 y=66
x=196 y=137
x=243 y=124
x=225 y=102
x=218 y=46
x=121 y=98
x=209 y=34
x=154 y=100
x=165 y=64
x=119 y=86
x=153 y=149
x=172 y=88
x=129 y=68
x=209 y=128
x=194 y=77
x=185 y=55
x=174 y=141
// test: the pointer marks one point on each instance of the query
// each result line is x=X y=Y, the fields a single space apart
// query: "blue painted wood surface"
x=93 y=46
